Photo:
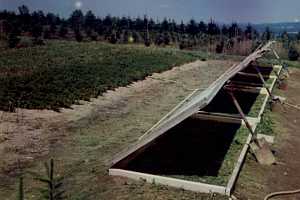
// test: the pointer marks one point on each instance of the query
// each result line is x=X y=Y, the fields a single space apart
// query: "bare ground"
x=84 y=139
x=256 y=181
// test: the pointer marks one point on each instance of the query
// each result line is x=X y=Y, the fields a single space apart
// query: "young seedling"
x=54 y=190
x=20 y=189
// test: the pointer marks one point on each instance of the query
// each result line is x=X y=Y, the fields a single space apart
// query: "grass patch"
x=266 y=126
x=256 y=107
x=269 y=81
x=61 y=73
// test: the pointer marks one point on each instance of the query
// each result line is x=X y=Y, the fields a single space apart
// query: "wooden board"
x=172 y=182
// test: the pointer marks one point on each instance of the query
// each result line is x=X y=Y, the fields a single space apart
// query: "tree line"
x=87 y=26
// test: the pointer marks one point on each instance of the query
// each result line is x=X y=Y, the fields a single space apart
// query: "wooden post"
x=263 y=81
x=240 y=110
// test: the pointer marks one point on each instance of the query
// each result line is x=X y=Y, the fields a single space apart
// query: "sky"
x=223 y=11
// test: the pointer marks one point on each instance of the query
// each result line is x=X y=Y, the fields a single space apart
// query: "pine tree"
x=13 y=39
x=21 y=189
x=25 y=18
x=89 y=20
x=267 y=34
x=37 y=31
x=249 y=32
x=293 y=54
x=192 y=27
x=76 y=20
x=63 y=30
x=78 y=35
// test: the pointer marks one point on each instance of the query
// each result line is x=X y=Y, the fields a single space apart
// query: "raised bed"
x=250 y=103
x=199 y=155
x=195 y=150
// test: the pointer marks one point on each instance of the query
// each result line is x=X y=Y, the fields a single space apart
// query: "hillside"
x=62 y=73
x=278 y=28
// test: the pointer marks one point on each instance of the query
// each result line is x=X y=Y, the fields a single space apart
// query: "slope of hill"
x=277 y=28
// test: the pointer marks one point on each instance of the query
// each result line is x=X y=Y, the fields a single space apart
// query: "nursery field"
x=83 y=140
x=60 y=74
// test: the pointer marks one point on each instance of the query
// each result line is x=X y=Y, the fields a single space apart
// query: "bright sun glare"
x=78 y=4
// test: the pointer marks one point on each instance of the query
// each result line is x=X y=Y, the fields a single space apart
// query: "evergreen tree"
x=63 y=30
x=25 y=18
x=78 y=35
x=47 y=33
x=202 y=27
x=113 y=37
x=249 y=32
x=167 y=38
x=267 y=34
x=285 y=40
x=37 y=30
x=220 y=47
x=234 y=30
x=114 y=29
x=13 y=39
x=212 y=28
x=192 y=27
x=298 y=35
x=37 y=17
x=124 y=23
x=293 y=54
x=76 y=20
x=90 y=20
x=165 y=25
x=99 y=28
x=182 y=28
x=224 y=30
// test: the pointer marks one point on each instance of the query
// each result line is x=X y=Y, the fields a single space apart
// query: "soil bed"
x=194 y=150
x=250 y=103
x=263 y=70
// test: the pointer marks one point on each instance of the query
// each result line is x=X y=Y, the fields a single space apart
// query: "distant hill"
x=278 y=28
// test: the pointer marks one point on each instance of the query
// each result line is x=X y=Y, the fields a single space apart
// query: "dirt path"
x=83 y=139
x=256 y=181
x=286 y=175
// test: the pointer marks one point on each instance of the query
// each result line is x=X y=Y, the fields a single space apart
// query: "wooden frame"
x=251 y=74
x=190 y=106
x=173 y=182
x=243 y=154
x=227 y=118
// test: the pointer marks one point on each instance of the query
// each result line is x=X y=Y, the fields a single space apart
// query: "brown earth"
x=256 y=181
x=83 y=139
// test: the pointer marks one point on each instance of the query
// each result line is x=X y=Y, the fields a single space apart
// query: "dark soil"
x=223 y=103
x=193 y=148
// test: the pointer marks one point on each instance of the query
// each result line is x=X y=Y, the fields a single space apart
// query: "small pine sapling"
x=54 y=190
